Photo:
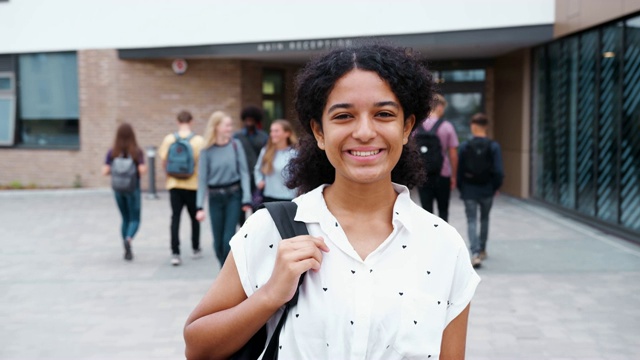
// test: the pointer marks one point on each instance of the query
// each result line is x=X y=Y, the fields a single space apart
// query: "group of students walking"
x=233 y=173
x=473 y=167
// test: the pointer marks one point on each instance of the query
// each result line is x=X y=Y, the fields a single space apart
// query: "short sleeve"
x=465 y=282
x=109 y=158
x=141 y=158
x=453 y=137
x=254 y=249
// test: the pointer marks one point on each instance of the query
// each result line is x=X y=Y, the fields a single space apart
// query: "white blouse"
x=395 y=304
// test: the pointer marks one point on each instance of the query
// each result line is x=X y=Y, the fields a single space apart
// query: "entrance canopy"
x=471 y=44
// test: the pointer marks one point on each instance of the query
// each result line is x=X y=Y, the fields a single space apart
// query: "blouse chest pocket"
x=422 y=322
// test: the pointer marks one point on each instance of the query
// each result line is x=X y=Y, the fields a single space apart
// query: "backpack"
x=283 y=213
x=124 y=174
x=478 y=161
x=430 y=148
x=180 y=160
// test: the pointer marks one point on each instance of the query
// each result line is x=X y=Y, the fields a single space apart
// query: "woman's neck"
x=281 y=145
x=222 y=140
x=364 y=198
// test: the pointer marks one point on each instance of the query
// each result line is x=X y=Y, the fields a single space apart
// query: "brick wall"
x=146 y=94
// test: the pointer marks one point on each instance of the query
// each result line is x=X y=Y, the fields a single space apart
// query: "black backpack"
x=430 y=148
x=477 y=161
x=283 y=213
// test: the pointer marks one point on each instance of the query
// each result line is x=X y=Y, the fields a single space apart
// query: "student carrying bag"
x=124 y=174
x=282 y=213
x=180 y=159
x=430 y=148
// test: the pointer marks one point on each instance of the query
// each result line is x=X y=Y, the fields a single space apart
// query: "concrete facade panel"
x=512 y=119
x=576 y=15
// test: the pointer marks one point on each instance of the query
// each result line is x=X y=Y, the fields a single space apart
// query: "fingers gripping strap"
x=283 y=214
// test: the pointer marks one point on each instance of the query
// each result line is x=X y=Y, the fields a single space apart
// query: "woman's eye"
x=385 y=114
x=342 y=116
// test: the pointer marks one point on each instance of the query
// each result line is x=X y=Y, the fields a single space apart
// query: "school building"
x=558 y=79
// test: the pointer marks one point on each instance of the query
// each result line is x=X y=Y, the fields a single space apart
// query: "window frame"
x=11 y=95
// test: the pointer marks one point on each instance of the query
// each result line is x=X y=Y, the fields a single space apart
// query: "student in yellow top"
x=179 y=153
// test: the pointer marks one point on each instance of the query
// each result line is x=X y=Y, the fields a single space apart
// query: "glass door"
x=464 y=92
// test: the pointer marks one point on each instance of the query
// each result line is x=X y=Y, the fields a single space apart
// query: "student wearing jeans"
x=479 y=195
x=125 y=145
x=224 y=175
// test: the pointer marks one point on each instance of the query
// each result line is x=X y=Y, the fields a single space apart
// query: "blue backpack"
x=180 y=160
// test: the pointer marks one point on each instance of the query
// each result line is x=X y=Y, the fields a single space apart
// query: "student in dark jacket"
x=480 y=175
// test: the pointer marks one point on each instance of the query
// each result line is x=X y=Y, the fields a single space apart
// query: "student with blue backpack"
x=125 y=163
x=179 y=153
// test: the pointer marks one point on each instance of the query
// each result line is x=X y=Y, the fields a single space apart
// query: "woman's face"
x=224 y=128
x=363 y=128
x=277 y=134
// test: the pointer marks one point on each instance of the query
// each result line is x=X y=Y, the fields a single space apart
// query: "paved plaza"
x=551 y=288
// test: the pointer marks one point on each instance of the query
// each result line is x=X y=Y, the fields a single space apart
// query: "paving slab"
x=552 y=288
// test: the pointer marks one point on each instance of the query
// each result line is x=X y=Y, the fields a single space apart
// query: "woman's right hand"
x=260 y=184
x=295 y=256
x=200 y=215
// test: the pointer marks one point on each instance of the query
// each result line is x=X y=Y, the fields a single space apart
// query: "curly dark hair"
x=407 y=77
x=253 y=112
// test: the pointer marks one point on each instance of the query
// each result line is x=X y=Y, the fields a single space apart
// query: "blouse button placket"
x=362 y=308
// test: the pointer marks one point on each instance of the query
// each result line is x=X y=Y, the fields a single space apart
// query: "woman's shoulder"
x=436 y=229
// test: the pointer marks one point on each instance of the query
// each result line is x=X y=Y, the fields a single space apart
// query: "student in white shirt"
x=388 y=280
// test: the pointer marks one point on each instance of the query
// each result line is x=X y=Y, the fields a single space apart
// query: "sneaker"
x=175 y=260
x=197 y=254
x=128 y=255
x=476 y=261
x=483 y=255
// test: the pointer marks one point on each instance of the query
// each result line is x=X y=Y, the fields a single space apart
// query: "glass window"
x=460 y=108
x=586 y=117
x=7 y=119
x=630 y=129
x=6 y=83
x=608 y=123
x=444 y=76
x=272 y=95
x=7 y=108
x=48 y=86
x=48 y=98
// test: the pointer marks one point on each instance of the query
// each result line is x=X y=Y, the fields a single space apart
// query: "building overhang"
x=469 y=44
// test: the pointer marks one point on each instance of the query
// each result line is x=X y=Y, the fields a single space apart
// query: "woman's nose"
x=364 y=129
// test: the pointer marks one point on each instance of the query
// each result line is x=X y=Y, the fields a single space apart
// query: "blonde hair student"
x=270 y=172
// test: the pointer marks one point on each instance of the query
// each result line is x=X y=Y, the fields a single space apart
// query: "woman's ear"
x=317 y=133
x=408 y=126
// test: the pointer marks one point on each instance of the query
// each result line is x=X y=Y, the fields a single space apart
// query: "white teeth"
x=364 y=153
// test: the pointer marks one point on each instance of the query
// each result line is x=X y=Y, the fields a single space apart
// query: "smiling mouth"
x=364 y=153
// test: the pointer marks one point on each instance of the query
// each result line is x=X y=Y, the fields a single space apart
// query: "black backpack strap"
x=283 y=214
x=435 y=127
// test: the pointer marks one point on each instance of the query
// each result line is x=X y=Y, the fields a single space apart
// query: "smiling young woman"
x=389 y=279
